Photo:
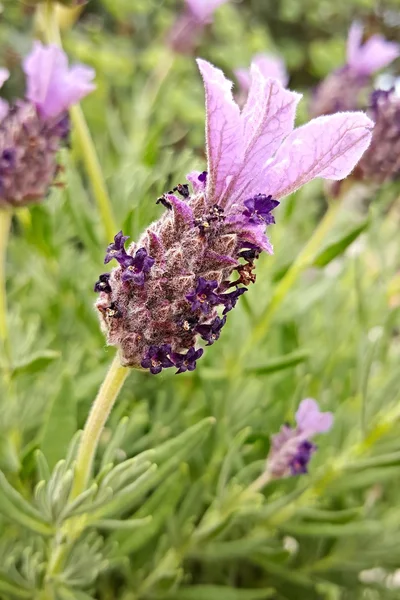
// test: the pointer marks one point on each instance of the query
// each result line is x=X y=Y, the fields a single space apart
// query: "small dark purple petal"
x=186 y=362
x=203 y=297
x=299 y=463
x=229 y=300
x=136 y=268
x=103 y=283
x=117 y=250
x=157 y=359
x=211 y=332
x=258 y=209
x=203 y=177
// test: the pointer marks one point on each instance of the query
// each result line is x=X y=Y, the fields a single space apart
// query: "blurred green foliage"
x=188 y=530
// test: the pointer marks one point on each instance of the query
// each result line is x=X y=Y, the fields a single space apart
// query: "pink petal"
x=272 y=66
x=268 y=117
x=193 y=177
x=328 y=147
x=256 y=236
x=183 y=214
x=3 y=108
x=373 y=55
x=51 y=85
x=223 y=129
x=4 y=75
x=244 y=79
x=203 y=9
x=310 y=420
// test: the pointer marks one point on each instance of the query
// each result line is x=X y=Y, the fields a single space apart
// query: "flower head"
x=34 y=129
x=207 y=240
x=291 y=448
x=342 y=89
x=53 y=86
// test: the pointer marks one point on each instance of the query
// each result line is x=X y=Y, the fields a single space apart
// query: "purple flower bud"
x=103 y=283
x=211 y=332
x=186 y=362
x=157 y=359
x=291 y=449
x=203 y=297
x=258 y=209
x=140 y=264
x=230 y=299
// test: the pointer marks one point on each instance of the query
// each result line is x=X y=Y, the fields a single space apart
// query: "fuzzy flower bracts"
x=177 y=285
x=32 y=130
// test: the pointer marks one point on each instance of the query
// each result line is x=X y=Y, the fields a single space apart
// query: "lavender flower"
x=342 y=89
x=211 y=332
x=4 y=75
x=186 y=362
x=157 y=359
x=381 y=162
x=254 y=159
x=140 y=264
x=103 y=283
x=269 y=65
x=33 y=130
x=190 y=24
x=291 y=448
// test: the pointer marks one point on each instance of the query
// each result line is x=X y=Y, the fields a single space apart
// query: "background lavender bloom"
x=269 y=65
x=381 y=162
x=291 y=448
x=4 y=75
x=342 y=89
x=197 y=243
x=33 y=130
x=188 y=28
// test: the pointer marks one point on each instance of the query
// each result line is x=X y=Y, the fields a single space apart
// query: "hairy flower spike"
x=342 y=89
x=33 y=130
x=291 y=449
x=193 y=255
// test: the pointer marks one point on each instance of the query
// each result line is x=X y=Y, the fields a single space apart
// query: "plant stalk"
x=94 y=426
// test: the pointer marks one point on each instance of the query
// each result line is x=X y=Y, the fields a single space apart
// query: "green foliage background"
x=190 y=531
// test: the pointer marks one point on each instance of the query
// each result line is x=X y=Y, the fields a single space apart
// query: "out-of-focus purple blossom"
x=53 y=86
x=381 y=162
x=139 y=265
x=187 y=30
x=157 y=359
x=211 y=332
x=186 y=362
x=291 y=448
x=34 y=129
x=254 y=158
x=344 y=87
x=269 y=65
x=203 y=298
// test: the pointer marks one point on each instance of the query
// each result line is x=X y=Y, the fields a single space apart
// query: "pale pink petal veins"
x=223 y=129
x=328 y=147
x=371 y=56
x=203 y=9
x=310 y=420
x=268 y=117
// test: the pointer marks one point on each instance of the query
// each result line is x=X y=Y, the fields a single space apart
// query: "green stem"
x=5 y=224
x=94 y=426
x=83 y=136
x=303 y=260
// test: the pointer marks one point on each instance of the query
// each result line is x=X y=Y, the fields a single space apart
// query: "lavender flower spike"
x=52 y=86
x=342 y=89
x=197 y=246
x=291 y=448
x=190 y=24
x=34 y=129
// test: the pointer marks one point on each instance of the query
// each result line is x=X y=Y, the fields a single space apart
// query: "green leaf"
x=279 y=364
x=35 y=363
x=10 y=589
x=124 y=524
x=333 y=530
x=60 y=424
x=14 y=507
x=338 y=247
x=220 y=592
